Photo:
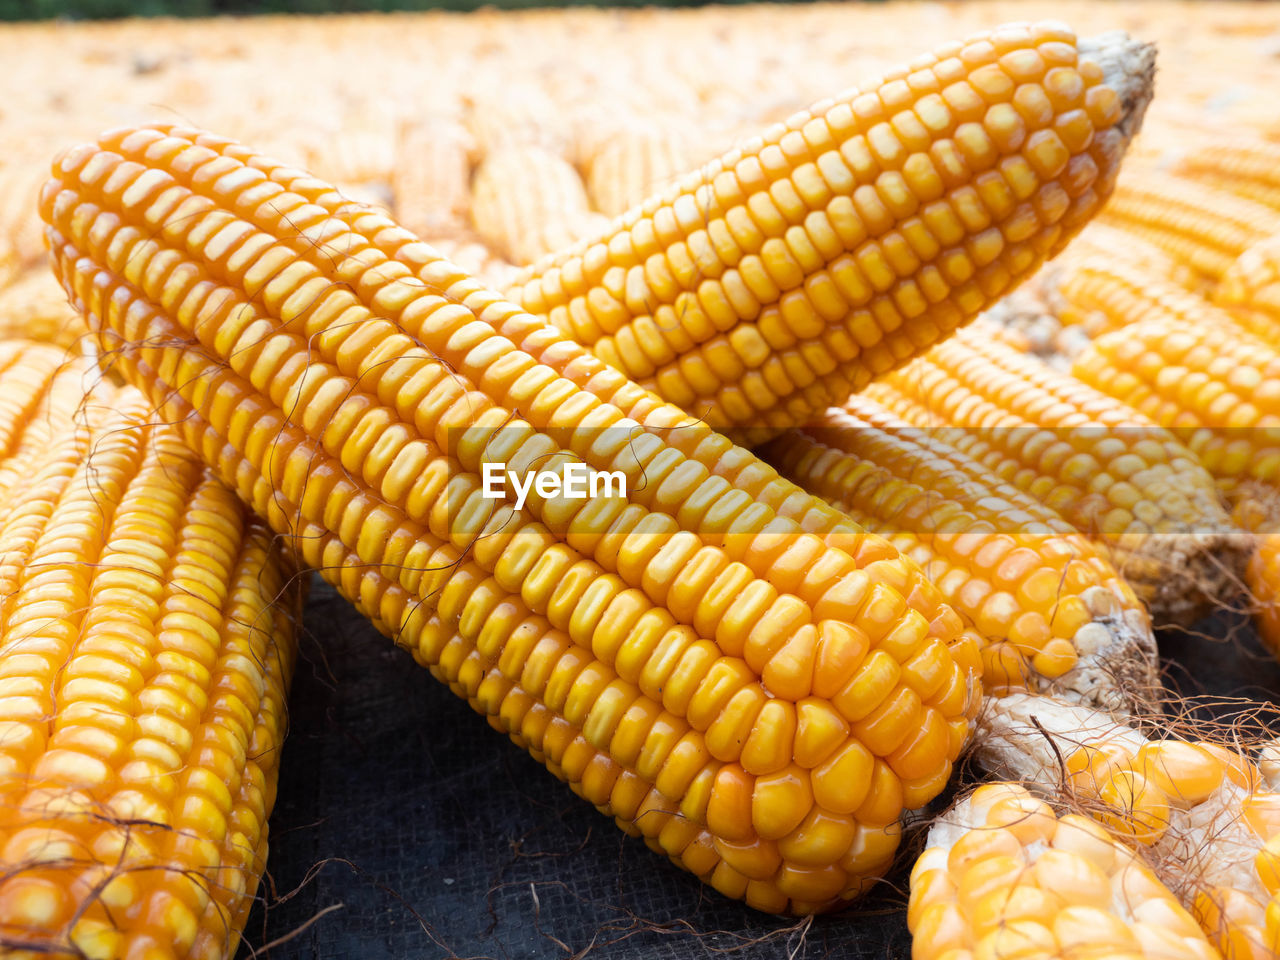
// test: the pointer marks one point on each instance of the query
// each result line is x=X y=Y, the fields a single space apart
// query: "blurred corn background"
x=405 y=828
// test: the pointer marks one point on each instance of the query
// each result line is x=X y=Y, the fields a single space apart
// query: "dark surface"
x=115 y=9
x=427 y=834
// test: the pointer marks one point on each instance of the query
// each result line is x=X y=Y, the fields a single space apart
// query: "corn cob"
x=1213 y=385
x=788 y=693
x=1251 y=285
x=1099 y=249
x=1056 y=610
x=353 y=157
x=9 y=265
x=1259 y=325
x=1104 y=467
x=504 y=116
x=146 y=643
x=34 y=307
x=632 y=163
x=1247 y=167
x=1205 y=229
x=1100 y=240
x=1104 y=294
x=527 y=201
x=783 y=276
x=1011 y=336
x=1004 y=876
x=1257 y=509
x=1024 y=322
x=1198 y=809
x=432 y=178
x=19 y=230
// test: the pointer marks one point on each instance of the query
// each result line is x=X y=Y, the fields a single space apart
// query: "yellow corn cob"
x=353 y=157
x=1257 y=509
x=146 y=642
x=1248 y=167
x=431 y=182
x=1004 y=876
x=632 y=163
x=1023 y=321
x=1102 y=295
x=1205 y=229
x=9 y=265
x=1106 y=468
x=1100 y=248
x=787 y=692
x=505 y=116
x=1100 y=240
x=527 y=201
x=1199 y=809
x=34 y=307
x=1260 y=325
x=1012 y=337
x=19 y=230
x=781 y=277
x=1213 y=385
x=1054 y=606
x=1252 y=285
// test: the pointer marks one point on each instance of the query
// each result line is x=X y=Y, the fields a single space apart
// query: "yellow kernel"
x=976 y=147
x=1078 y=927
x=1262 y=813
x=1185 y=772
x=1047 y=154
x=1065 y=88
x=1033 y=105
x=1141 y=809
x=1024 y=66
x=992 y=83
x=1267 y=864
x=842 y=782
x=33 y=902
x=1006 y=127
x=884 y=799
x=992 y=873
x=1023 y=902
x=1077 y=879
x=820 y=730
x=780 y=802
x=1029 y=819
x=729 y=807
x=1103 y=106
x=945 y=928
x=770 y=746
x=821 y=839
x=979 y=844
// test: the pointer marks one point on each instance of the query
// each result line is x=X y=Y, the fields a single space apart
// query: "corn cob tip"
x=1026 y=737
x=1199 y=569
x=1116 y=667
x=1129 y=68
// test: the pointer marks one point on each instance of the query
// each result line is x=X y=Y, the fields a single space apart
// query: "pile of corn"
x=860 y=531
